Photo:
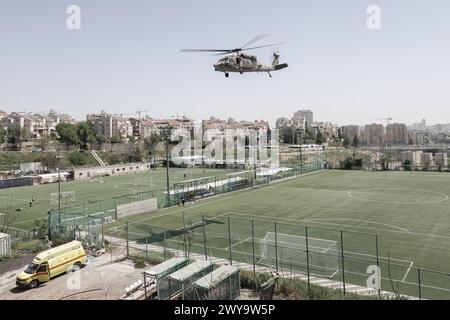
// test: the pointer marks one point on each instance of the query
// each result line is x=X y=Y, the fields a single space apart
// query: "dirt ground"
x=99 y=280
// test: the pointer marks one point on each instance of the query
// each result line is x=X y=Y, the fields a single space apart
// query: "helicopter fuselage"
x=246 y=63
x=241 y=63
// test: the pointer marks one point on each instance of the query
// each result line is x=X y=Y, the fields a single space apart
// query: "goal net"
x=136 y=194
x=144 y=181
x=290 y=250
x=66 y=197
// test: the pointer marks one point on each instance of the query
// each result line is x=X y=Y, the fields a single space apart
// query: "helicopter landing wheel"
x=227 y=74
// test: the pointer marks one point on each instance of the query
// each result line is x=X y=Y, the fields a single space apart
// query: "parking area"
x=99 y=280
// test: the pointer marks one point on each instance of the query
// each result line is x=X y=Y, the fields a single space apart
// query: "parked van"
x=48 y=264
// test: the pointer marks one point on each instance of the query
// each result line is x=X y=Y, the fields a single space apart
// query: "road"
x=99 y=280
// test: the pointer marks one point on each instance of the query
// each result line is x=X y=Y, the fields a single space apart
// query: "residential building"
x=374 y=134
x=111 y=125
x=3 y=114
x=307 y=114
x=397 y=133
x=350 y=131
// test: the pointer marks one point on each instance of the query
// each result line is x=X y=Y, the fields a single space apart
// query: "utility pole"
x=166 y=132
x=58 y=157
x=301 y=153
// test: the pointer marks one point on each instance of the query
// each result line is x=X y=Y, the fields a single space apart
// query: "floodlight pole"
x=58 y=157
x=166 y=131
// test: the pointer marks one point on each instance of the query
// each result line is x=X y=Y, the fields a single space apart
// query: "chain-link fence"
x=90 y=215
x=338 y=259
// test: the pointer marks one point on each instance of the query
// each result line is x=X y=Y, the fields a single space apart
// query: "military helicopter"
x=236 y=61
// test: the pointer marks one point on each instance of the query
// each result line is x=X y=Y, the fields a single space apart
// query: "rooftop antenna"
x=140 y=111
x=388 y=119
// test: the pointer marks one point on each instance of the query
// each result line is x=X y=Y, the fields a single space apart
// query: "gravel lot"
x=99 y=280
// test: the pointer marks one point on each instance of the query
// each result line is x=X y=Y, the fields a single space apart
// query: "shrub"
x=29 y=246
x=140 y=260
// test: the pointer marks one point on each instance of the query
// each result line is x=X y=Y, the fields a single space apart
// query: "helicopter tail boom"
x=280 y=66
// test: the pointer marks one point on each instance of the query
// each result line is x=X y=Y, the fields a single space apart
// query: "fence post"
x=229 y=241
x=84 y=214
x=276 y=247
x=103 y=230
x=165 y=243
x=420 y=284
x=253 y=250
x=49 y=224
x=146 y=242
x=378 y=262
x=184 y=236
x=204 y=237
x=342 y=261
x=115 y=207
x=128 y=246
x=307 y=260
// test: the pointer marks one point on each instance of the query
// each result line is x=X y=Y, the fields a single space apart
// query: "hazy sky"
x=126 y=56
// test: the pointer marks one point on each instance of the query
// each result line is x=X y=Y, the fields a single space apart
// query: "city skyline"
x=146 y=115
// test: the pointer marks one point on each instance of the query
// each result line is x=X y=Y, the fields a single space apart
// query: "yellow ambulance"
x=48 y=264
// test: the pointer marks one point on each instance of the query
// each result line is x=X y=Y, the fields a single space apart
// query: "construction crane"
x=140 y=111
x=388 y=119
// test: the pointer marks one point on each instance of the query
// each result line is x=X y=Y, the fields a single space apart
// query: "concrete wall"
x=113 y=170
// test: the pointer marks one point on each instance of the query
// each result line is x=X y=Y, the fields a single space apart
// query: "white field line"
x=261 y=217
x=406 y=274
x=225 y=196
x=16 y=199
x=235 y=244
x=320 y=222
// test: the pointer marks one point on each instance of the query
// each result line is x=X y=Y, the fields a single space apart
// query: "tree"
x=355 y=141
x=85 y=131
x=287 y=135
x=2 y=135
x=346 y=142
x=100 y=139
x=407 y=165
x=115 y=139
x=67 y=134
x=320 y=138
x=151 y=142
x=16 y=135
x=135 y=155
x=42 y=143
x=347 y=164
x=78 y=158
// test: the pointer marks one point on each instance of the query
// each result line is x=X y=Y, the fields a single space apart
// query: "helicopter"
x=237 y=61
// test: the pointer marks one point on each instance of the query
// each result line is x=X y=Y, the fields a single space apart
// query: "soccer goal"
x=144 y=181
x=98 y=179
x=66 y=197
x=290 y=250
x=136 y=194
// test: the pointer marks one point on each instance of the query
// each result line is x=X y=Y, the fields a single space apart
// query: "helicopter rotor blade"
x=204 y=50
x=268 y=45
x=256 y=38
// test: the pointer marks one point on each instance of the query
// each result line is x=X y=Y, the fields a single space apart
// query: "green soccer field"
x=92 y=190
x=401 y=222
